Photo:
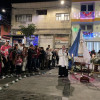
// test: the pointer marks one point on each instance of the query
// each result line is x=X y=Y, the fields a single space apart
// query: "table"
x=81 y=62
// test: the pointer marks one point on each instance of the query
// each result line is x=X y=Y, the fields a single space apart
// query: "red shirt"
x=19 y=61
x=4 y=50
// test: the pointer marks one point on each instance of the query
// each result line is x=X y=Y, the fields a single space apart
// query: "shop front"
x=32 y=40
x=61 y=40
x=56 y=38
x=92 y=40
x=55 y=41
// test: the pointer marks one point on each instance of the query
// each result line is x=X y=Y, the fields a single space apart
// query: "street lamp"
x=62 y=2
x=3 y=10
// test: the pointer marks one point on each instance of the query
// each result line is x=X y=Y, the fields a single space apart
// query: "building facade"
x=52 y=20
x=85 y=14
x=4 y=30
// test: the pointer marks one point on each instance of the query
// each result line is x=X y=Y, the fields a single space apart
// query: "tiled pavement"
x=49 y=87
x=40 y=87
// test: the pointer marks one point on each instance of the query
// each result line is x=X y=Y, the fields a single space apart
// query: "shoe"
x=60 y=76
x=3 y=77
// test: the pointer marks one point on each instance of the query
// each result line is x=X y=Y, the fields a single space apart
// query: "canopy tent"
x=14 y=37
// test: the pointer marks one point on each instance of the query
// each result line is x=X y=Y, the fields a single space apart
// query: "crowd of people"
x=94 y=53
x=18 y=59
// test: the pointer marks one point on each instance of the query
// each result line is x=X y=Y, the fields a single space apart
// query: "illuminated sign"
x=33 y=40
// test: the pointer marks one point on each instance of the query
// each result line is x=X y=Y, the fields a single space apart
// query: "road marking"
x=64 y=98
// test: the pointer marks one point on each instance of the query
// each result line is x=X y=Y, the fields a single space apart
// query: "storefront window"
x=90 y=46
x=93 y=45
x=97 y=46
x=33 y=40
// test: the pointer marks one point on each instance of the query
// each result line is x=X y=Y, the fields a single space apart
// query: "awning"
x=5 y=37
x=57 y=31
x=14 y=36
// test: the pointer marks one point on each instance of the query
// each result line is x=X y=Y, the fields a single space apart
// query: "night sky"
x=6 y=4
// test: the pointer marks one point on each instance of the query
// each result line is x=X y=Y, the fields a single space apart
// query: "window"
x=41 y=12
x=23 y=18
x=62 y=17
x=90 y=46
x=83 y=7
x=82 y=27
x=90 y=8
x=93 y=45
x=89 y=27
x=87 y=7
x=86 y=27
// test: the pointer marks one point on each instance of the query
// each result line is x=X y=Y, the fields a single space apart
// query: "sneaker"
x=3 y=77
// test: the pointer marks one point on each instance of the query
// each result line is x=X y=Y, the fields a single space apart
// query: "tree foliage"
x=29 y=30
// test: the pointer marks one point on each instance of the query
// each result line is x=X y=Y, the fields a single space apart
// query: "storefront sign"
x=59 y=41
x=32 y=40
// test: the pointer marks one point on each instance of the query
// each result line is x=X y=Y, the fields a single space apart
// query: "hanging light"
x=3 y=10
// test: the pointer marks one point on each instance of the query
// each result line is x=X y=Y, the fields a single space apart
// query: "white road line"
x=64 y=98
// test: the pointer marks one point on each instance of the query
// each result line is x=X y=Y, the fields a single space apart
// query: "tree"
x=29 y=30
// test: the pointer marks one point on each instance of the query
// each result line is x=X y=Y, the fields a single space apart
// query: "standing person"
x=20 y=46
x=4 y=52
x=42 y=58
x=50 y=58
x=24 y=55
x=53 y=58
x=98 y=55
x=29 y=59
x=63 y=62
x=37 y=50
x=47 y=57
x=48 y=47
x=57 y=58
x=12 y=58
x=93 y=52
x=34 y=59
x=19 y=65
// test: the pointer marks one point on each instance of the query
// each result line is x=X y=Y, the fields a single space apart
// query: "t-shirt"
x=4 y=50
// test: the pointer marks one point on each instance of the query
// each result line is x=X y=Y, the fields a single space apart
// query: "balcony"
x=83 y=16
x=87 y=16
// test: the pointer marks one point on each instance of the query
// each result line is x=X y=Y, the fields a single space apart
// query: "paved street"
x=49 y=87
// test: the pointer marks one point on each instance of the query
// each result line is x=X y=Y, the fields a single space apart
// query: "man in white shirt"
x=63 y=62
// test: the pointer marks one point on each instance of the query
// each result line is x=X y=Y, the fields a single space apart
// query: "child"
x=19 y=65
